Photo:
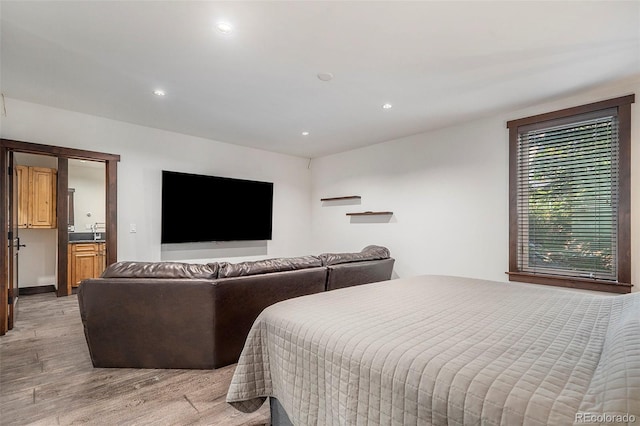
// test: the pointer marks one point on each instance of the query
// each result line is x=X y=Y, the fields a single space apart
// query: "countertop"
x=86 y=237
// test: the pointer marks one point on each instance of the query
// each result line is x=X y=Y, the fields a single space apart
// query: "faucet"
x=94 y=229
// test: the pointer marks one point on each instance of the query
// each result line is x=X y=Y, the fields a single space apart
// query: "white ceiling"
x=438 y=63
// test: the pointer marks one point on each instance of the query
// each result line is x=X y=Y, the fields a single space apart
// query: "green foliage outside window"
x=571 y=181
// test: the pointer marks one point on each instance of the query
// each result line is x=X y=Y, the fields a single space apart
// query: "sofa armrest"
x=239 y=301
x=148 y=323
x=357 y=273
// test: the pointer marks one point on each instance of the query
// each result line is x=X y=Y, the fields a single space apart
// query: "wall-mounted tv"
x=198 y=208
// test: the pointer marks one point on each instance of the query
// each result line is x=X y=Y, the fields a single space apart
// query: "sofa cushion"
x=161 y=270
x=228 y=270
x=368 y=253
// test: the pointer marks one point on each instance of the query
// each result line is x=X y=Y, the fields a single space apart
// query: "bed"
x=445 y=350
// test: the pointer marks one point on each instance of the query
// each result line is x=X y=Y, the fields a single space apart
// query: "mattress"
x=441 y=350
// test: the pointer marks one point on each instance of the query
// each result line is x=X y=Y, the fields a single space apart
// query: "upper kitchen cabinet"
x=36 y=197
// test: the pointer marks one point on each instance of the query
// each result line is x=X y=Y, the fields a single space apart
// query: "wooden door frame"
x=111 y=219
x=4 y=250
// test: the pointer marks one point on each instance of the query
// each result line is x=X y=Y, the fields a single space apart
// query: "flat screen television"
x=198 y=208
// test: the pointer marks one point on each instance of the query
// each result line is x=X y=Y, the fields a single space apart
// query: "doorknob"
x=18 y=245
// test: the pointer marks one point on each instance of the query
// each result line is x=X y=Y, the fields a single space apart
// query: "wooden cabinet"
x=86 y=260
x=36 y=197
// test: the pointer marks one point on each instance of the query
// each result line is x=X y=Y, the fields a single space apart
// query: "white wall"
x=448 y=190
x=145 y=152
x=37 y=260
x=445 y=190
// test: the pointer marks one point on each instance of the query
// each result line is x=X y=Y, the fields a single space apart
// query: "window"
x=569 y=182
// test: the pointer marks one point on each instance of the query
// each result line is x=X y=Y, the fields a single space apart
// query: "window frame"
x=623 y=282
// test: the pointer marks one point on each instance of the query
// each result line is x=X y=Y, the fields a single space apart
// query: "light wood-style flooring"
x=46 y=378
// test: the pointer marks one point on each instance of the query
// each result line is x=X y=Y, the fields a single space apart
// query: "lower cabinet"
x=86 y=260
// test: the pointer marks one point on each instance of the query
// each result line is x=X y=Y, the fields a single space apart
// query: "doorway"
x=63 y=155
x=36 y=230
x=86 y=221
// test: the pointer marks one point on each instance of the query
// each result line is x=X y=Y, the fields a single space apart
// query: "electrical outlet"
x=132 y=228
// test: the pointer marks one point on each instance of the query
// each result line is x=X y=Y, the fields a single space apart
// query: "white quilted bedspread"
x=445 y=351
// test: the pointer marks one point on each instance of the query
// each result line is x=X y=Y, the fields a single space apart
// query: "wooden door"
x=14 y=244
x=84 y=267
x=42 y=184
x=84 y=258
x=36 y=197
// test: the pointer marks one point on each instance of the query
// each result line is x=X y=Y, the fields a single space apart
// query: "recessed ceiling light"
x=387 y=106
x=224 y=27
x=159 y=92
x=305 y=133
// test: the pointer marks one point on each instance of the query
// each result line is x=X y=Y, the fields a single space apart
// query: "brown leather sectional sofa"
x=180 y=315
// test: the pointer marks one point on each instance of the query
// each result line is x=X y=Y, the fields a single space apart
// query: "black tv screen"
x=197 y=208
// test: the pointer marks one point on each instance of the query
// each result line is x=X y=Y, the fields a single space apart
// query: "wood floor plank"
x=46 y=378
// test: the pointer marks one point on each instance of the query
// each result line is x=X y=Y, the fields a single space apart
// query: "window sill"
x=580 y=283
